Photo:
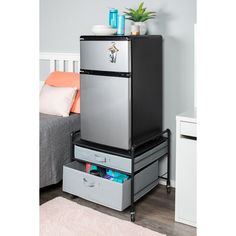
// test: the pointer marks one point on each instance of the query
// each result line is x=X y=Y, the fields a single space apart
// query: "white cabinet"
x=185 y=195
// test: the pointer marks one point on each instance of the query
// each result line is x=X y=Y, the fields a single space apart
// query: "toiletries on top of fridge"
x=117 y=21
x=121 y=25
x=113 y=18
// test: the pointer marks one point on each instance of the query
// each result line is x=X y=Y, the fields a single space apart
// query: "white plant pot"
x=142 y=26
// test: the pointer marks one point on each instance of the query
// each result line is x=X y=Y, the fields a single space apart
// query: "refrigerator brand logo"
x=113 y=53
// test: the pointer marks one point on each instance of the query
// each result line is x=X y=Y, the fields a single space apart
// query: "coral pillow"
x=56 y=100
x=66 y=79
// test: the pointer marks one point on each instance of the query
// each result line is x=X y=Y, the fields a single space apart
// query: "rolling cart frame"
x=167 y=134
x=135 y=146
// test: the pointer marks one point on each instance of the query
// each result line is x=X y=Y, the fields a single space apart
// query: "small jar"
x=113 y=18
x=121 y=25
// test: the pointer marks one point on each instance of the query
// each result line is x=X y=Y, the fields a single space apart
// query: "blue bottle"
x=121 y=25
x=113 y=18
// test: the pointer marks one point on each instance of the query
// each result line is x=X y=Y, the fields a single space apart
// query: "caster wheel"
x=132 y=216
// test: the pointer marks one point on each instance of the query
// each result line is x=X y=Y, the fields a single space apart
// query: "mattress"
x=55 y=145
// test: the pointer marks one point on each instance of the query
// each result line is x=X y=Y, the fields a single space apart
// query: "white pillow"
x=56 y=100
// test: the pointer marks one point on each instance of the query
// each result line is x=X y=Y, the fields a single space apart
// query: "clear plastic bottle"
x=121 y=25
x=113 y=18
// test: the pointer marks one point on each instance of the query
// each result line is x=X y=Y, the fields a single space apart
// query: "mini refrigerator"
x=121 y=89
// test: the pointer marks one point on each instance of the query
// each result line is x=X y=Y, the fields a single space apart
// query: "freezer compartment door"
x=105 y=110
x=105 y=55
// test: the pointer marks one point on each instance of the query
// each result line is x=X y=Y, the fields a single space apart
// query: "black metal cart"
x=136 y=149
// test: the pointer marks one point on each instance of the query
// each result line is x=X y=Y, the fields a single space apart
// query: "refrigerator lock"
x=113 y=53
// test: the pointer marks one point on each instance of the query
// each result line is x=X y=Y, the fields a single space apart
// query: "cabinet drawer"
x=100 y=158
x=118 y=162
x=188 y=128
x=106 y=192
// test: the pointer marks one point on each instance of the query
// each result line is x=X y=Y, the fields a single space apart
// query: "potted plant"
x=139 y=16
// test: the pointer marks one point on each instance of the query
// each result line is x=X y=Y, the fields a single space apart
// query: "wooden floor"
x=154 y=211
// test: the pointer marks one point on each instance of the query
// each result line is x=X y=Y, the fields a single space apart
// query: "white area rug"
x=64 y=217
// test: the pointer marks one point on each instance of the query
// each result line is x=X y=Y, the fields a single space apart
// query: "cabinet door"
x=105 y=55
x=105 y=110
x=186 y=181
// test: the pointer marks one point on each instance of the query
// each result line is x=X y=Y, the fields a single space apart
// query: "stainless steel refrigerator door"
x=105 y=110
x=105 y=55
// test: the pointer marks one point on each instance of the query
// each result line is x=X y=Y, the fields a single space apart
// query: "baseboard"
x=187 y=222
x=163 y=182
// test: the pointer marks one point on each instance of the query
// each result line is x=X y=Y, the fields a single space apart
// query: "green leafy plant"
x=140 y=14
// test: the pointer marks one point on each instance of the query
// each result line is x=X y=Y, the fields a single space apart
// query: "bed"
x=55 y=130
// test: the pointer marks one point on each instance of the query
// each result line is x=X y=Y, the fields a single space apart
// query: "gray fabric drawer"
x=150 y=156
x=106 y=192
x=118 y=162
x=105 y=159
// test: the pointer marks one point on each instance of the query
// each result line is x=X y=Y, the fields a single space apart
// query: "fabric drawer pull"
x=87 y=184
x=100 y=159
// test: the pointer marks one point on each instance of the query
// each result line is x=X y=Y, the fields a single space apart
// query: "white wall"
x=63 y=21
